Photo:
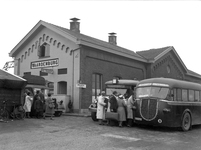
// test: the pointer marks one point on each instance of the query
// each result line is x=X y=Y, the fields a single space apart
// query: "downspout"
x=73 y=66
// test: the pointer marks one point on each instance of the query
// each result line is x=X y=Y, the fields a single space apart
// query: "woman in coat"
x=100 y=114
x=129 y=109
x=121 y=110
x=27 y=104
x=49 y=111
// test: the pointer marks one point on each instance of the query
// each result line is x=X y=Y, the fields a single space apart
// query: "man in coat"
x=100 y=114
x=113 y=102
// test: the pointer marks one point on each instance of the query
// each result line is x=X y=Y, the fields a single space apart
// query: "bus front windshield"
x=156 y=92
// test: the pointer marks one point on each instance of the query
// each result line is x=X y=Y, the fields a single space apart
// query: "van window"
x=184 y=95
x=191 y=95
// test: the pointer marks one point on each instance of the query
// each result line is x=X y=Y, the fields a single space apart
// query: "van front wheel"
x=186 y=122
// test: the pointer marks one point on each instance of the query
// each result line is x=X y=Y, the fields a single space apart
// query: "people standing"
x=33 y=111
x=129 y=108
x=28 y=104
x=100 y=114
x=113 y=102
x=121 y=110
x=49 y=111
x=42 y=97
x=38 y=106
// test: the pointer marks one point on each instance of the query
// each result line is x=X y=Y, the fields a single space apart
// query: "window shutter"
x=47 y=50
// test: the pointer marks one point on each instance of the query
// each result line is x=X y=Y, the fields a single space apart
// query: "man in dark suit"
x=113 y=102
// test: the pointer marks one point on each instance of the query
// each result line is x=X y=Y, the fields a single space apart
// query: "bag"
x=112 y=116
x=51 y=105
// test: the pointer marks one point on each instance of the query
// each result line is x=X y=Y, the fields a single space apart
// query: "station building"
x=76 y=66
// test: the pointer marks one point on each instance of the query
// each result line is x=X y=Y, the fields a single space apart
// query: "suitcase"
x=112 y=116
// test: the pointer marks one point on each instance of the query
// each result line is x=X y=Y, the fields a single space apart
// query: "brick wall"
x=109 y=65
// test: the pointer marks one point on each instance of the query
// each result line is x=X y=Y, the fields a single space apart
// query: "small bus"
x=168 y=102
x=121 y=86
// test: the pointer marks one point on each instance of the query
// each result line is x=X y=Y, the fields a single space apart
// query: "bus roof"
x=122 y=82
x=172 y=83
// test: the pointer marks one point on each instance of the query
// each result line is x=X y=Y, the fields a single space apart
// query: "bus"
x=121 y=86
x=168 y=102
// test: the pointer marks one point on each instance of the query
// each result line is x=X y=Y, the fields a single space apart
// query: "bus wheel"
x=186 y=122
x=93 y=116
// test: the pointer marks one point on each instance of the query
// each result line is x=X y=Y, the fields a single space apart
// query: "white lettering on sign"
x=45 y=63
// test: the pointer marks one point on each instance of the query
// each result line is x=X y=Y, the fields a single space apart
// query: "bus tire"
x=93 y=116
x=186 y=121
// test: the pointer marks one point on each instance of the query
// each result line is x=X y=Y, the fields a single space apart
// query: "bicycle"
x=18 y=112
x=4 y=115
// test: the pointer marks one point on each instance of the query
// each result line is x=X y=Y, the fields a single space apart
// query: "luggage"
x=112 y=116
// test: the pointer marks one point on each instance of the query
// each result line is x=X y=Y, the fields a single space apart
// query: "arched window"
x=44 y=50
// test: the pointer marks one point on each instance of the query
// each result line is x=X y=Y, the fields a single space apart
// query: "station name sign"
x=45 y=63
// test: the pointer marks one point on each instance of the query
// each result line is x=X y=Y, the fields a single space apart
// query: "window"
x=191 y=95
x=27 y=73
x=62 y=87
x=175 y=94
x=44 y=50
x=96 y=84
x=184 y=95
x=62 y=71
x=43 y=73
x=197 y=96
x=179 y=95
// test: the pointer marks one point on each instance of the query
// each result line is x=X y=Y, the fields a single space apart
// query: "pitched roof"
x=152 y=53
x=81 y=39
x=8 y=80
x=89 y=39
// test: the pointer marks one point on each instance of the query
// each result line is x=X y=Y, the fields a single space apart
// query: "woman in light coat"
x=100 y=114
x=129 y=108
x=27 y=104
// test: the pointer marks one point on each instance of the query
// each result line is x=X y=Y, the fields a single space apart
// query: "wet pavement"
x=81 y=133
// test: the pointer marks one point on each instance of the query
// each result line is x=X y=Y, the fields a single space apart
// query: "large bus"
x=121 y=86
x=168 y=102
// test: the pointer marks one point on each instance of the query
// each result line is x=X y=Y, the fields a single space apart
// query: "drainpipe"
x=73 y=66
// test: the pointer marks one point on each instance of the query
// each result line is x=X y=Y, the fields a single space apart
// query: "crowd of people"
x=120 y=108
x=39 y=107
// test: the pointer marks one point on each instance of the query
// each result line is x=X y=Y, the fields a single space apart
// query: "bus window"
x=197 y=98
x=179 y=95
x=191 y=95
x=184 y=95
x=175 y=94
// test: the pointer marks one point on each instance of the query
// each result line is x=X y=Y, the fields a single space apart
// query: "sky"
x=139 y=25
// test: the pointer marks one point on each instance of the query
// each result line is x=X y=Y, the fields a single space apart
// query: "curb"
x=76 y=115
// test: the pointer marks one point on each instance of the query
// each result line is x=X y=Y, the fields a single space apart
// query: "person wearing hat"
x=121 y=109
x=113 y=102
x=100 y=114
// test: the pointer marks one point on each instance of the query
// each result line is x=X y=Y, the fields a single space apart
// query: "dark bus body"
x=168 y=102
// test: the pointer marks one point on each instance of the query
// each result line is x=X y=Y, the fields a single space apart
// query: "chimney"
x=113 y=38
x=74 y=25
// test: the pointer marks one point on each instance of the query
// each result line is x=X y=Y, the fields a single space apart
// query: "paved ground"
x=81 y=133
